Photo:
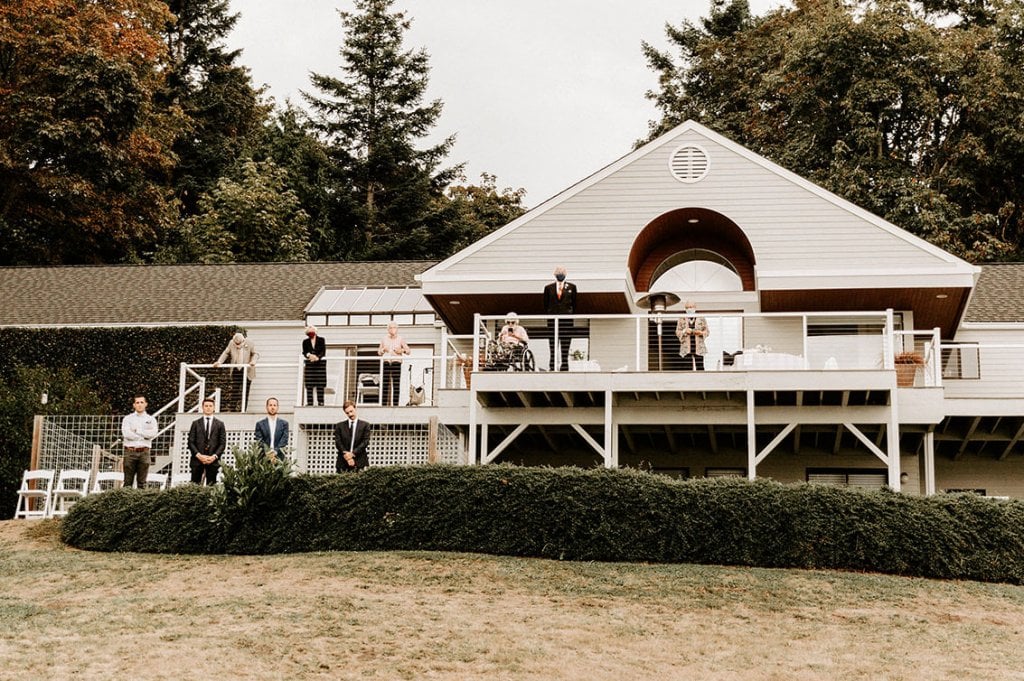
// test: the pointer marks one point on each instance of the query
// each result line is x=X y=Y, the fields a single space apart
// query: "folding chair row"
x=38 y=497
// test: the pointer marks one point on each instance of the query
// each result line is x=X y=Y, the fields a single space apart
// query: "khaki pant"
x=136 y=467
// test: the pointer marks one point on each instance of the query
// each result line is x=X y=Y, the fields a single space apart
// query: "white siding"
x=790 y=227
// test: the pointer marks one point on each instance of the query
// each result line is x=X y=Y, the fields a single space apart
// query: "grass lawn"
x=71 y=614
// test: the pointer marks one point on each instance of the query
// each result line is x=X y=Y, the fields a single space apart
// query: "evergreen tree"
x=370 y=119
x=223 y=109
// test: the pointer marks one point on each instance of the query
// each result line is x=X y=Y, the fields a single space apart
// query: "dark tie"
x=352 y=425
x=207 y=429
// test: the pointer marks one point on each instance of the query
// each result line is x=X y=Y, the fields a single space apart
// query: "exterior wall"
x=277 y=368
x=997 y=478
x=788 y=226
x=613 y=343
x=1001 y=371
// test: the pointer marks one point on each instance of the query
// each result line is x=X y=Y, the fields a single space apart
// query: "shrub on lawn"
x=605 y=515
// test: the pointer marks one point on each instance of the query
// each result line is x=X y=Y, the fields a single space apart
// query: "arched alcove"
x=690 y=235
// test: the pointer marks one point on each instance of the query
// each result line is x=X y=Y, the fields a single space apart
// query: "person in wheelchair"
x=512 y=343
x=513 y=335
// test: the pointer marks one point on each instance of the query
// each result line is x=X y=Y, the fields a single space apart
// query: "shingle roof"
x=191 y=294
x=998 y=295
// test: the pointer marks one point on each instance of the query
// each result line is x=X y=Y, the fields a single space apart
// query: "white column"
x=611 y=436
x=892 y=433
x=929 y=463
x=751 y=437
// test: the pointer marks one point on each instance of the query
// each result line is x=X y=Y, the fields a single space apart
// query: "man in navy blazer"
x=352 y=438
x=272 y=432
x=207 y=440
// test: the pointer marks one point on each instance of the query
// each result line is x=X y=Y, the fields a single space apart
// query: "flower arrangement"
x=579 y=355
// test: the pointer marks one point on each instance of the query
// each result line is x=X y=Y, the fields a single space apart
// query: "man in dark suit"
x=207 y=439
x=352 y=438
x=272 y=432
x=560 y=298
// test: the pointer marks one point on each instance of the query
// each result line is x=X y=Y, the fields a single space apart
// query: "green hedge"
x=573 y=514
x=117 y=362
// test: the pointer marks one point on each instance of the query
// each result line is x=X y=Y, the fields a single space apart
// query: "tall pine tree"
x=371 y=118
x=223 y=109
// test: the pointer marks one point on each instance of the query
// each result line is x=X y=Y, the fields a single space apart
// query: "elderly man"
x=242 y=352
x=560 y=299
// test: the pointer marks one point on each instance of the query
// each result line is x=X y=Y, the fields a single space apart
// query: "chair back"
x=158 y=480
x=72 y=485
x=35 y=494
x=107 y=480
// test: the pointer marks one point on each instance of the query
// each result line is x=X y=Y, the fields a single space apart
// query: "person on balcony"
x=241 y=352
x=314 y=369
x=560 y=299
x=691 y=331
x=392 y=349
x=513 y=335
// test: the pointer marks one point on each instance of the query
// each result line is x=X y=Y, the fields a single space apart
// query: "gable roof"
x=182 y=294
x=999 y=294
x=624 y=186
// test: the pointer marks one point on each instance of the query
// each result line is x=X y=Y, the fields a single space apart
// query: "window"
x=725 y=472
x=863 y=478
x=963 y=362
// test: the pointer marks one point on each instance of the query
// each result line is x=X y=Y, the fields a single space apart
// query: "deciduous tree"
x=84 y=154
x=911 y=111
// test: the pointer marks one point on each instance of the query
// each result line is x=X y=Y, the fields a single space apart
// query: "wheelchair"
x=502 y=357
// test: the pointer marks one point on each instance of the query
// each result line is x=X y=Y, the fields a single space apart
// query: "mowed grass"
x=71 y=614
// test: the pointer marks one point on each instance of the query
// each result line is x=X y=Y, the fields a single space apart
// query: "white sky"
x=541 y=93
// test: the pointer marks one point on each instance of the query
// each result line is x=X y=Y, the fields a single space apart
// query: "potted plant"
x=907 y=363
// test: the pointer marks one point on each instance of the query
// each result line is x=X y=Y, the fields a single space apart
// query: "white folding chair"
x=36 y=486
x=107 y=480
x=179 y=479
x=158 y=480
x=368 y=388
x=72 y=485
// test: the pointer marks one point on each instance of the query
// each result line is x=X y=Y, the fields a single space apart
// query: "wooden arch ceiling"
x=690 y=229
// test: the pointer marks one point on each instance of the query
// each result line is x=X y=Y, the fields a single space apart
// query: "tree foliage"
x=84 y=153
x=371 y=118
x=255 y=218
x=910 y=110
x=223 y=110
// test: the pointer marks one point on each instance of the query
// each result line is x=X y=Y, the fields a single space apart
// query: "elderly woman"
x=691 y=331
x=391 y=349
x=314 y=348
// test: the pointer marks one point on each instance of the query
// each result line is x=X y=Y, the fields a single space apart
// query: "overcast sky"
x=541 y=93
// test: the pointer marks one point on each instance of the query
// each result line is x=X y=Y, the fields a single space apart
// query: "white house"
x=819 y=297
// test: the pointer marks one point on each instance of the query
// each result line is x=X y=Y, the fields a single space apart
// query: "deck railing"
x=733 y=342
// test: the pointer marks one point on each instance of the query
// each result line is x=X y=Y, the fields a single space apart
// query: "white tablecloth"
x=754 y=361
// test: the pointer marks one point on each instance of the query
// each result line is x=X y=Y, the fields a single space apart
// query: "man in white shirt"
x=138 y=430
x=272 y=432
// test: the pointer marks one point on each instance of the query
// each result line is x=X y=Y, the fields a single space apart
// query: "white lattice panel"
x=236 y=438
x=390 y=445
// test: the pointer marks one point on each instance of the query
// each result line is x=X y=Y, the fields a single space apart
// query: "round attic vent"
x=689 y=163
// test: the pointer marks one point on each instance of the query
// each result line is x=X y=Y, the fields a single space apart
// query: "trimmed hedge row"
x=573 y=514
